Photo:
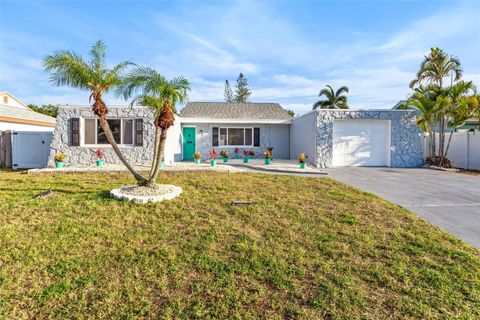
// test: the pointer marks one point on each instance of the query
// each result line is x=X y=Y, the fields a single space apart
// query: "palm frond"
x=68 y=68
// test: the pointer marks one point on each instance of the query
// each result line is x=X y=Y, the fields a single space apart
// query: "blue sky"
x=288 y=50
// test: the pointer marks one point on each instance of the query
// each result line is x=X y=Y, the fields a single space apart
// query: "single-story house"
x=327 y=137
x=16 y=116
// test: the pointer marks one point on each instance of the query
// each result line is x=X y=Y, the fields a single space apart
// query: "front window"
x=122 y=131
x=235 y=137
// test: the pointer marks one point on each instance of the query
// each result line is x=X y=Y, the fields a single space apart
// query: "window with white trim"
x=122 y=131
x=233 y=137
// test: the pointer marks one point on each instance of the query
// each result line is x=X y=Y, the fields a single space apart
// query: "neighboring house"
x=327 y=137
x=16 y=116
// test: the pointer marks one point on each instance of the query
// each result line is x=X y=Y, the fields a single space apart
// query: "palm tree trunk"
x=155 y=150
x=108 y=133
x=161 y=151
x=448 y=144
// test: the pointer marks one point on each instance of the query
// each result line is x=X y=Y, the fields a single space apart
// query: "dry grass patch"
x=308 y=248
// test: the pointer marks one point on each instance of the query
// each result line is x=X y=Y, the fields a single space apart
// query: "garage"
x=361 y=142
x=345 y=137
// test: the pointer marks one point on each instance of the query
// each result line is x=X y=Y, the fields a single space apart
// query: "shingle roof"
x=27 y=114
x=240 y=111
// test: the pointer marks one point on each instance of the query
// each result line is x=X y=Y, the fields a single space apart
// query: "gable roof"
x=22 y=105
x=242 y=112
x=28 y=116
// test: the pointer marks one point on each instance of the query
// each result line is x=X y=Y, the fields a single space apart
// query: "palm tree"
x=162 y=96
x=426 y=101
x=70 y=69
x=436 y=66
x=335 y=99
x=463 y=106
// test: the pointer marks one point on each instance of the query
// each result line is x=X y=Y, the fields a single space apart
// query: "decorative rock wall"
x=406 y=151
x=85 y=155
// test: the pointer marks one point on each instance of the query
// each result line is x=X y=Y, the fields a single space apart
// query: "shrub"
x=197 y=155
x=302 y=158
x=59 y=157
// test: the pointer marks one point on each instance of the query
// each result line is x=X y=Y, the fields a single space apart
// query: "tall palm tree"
x=162 y=96
x=70 y=69
x=334 y=99
x=435 y=67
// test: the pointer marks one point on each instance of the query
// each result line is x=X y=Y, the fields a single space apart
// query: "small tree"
x=228 y=92
x=160 y=95
x=242 y=92
x=70 y=69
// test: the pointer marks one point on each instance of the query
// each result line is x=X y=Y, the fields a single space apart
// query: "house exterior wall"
x=5 y=125
x=405 y=147
x=271 y=135
x=84 y=155
x=303 y=138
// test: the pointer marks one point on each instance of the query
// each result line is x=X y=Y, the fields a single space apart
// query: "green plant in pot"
x=213 y=158
x=100 y=156
x=302 y=160
x=245 y=156
x=224 y=155
x=236 y=153
x=267 y=156
x=197 y=156
x=59 y=158
x=251 y=154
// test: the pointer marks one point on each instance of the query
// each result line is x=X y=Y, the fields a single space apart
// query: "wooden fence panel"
x=5 y=149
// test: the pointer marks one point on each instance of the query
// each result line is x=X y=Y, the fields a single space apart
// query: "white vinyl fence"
x=464 y=151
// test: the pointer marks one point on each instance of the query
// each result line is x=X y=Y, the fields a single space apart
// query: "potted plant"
x=213 y=158
x=270 y=149
x=245 y=156
x=267 y=156
x=59 y=157
x=251 y=154
x=197 y=157
x=302 y=160
x=236 y=153
x=224 y=155
x=100 y=156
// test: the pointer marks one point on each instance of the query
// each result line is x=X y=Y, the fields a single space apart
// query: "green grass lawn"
x=308 y=248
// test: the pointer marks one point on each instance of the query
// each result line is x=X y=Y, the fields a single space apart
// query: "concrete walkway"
x=232 y=166
x=446 y=199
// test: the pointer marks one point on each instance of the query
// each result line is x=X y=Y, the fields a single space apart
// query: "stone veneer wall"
x=74 y=155
x=204 y=139
x=406 y=151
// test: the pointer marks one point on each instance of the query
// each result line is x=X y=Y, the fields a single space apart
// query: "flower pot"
x=225 y=159
x=99 y=163
x=213 y=162
x=197 y=161
x=236 y=156
x=250 y=156
x=58 y=164
x=302 y=165
x=245 y=160
x=267 y=161
x=162 y=164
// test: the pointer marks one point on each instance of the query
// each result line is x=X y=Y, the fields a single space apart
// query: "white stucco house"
x=327 y=137
x=16 y=116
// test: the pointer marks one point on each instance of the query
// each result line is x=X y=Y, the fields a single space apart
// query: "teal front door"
x=188 y=143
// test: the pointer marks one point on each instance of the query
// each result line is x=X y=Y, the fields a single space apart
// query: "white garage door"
x=361 y=143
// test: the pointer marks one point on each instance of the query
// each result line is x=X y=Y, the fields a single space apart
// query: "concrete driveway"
x=446 y=199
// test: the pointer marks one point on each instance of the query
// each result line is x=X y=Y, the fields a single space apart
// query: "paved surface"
x=446 y=199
